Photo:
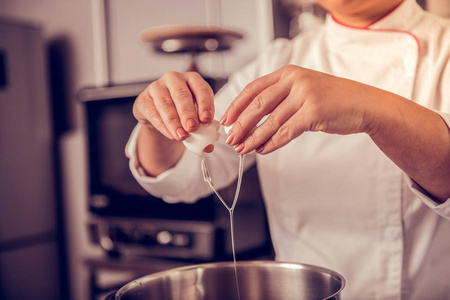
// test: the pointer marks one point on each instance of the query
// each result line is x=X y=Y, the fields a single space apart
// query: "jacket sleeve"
x=184 y=182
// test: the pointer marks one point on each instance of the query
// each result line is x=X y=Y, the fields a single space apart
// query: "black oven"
x=126 y=220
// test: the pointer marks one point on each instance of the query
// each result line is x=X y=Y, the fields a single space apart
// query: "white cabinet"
x=132 y=60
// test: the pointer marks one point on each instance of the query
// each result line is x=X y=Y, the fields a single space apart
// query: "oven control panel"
x=183 y=239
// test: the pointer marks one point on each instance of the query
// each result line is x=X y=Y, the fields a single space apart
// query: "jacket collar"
x=401 y=21
x=402 y=18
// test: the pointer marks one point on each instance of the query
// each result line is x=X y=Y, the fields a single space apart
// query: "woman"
x=353 y=158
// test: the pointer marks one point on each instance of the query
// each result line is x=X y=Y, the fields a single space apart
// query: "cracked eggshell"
x=205 y=135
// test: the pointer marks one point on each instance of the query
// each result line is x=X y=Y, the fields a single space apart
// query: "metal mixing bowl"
x=257 y=280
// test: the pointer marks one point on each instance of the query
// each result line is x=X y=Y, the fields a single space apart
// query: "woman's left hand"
x=297 y=100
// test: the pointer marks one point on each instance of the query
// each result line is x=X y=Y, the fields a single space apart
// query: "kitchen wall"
x=74 y=30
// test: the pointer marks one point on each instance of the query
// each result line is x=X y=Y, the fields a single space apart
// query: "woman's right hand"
x=175 y=104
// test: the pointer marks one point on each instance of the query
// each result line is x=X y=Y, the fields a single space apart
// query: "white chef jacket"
x=337 y=201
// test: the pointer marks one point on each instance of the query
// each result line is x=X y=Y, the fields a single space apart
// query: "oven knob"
x=181 y=240
x=164 y=237
x=99 y=201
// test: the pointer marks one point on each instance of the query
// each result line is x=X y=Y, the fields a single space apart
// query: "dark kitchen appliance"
x=126 y=220
x=32 y=256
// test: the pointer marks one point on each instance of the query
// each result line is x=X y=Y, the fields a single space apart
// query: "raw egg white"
x=205 y=135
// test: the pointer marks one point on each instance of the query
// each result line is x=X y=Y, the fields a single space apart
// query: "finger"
x=290 y=130
x=261 y=105
x=145 y=112
x=182 y=100
x=283 y=112
x=204 y=96
x=167 y=112
x=246 y=96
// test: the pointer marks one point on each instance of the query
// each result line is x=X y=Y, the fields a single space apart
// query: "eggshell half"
x=205 y=135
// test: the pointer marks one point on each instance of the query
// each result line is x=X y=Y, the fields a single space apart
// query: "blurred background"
x=73 y=223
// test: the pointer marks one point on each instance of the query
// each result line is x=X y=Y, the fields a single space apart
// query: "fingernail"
x=208 y=148
x=207 y=115
x=181 y=133
x=191 y=123
x=239 y=147
x=223 y=120
x=229 y=138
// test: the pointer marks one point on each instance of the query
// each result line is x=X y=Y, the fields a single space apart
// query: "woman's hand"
x=415 y=138
x=296 y=100
x=168 y=109
x=175 y=104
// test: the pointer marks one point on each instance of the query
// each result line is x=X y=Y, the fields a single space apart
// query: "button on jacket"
x=337 y=201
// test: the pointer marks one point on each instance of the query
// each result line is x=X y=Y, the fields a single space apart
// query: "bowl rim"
x=292 y=265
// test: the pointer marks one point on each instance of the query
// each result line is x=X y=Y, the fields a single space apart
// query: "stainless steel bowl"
x=257 y=280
